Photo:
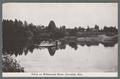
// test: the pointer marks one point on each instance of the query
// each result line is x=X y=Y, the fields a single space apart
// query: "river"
x=70 y=58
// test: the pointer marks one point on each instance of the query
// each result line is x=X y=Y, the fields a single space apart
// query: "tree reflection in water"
x=73 y=45
x=52 y=50
x=24 y=46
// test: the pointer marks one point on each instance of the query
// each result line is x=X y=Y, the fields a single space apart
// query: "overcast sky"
x=68 y=14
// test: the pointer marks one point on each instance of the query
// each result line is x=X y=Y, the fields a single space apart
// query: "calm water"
x=70 y=57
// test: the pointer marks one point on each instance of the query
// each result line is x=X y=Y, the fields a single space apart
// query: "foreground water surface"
x=70 y=57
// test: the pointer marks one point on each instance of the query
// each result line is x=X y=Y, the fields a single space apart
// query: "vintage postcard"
x=60 y=39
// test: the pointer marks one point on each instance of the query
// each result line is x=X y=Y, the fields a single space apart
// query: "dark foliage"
x=19 y=36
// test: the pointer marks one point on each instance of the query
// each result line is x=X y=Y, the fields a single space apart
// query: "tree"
x=51 y=27
x=25 y=23
x=81 y=29
x=88 y=29
x=96 y=27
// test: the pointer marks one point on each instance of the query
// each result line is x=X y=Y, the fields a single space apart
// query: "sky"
x=69 y=14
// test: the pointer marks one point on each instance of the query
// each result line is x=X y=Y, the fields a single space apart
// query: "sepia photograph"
x=59 y=38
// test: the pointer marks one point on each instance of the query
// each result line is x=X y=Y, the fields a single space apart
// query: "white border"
x=62 y=74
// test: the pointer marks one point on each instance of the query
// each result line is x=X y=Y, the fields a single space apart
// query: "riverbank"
x=10 y=65
x=93 y=40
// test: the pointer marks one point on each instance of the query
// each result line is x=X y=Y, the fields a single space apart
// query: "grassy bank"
x=96 y=38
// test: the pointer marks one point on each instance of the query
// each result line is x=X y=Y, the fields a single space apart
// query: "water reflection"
x=20 y=47
x=52 y=50
x=73 y=45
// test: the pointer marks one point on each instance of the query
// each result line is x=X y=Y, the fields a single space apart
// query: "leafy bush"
x=10 y=65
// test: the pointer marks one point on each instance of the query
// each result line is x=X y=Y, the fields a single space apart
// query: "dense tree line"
x=22 y=30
